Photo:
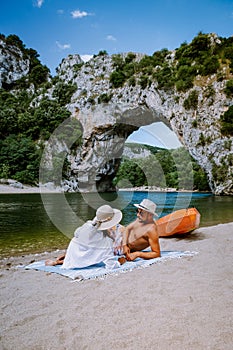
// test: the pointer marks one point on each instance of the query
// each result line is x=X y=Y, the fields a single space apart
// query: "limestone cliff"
x=110 y=114
x=117 y=94
x=13 y=64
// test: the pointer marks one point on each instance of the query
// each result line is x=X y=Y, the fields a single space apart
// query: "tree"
x=130 y=172
x=153 y=171
x=14 y=40
x=192 y=101
x=22 y=157
x=229 y=88
x=63 y=92
x=117 y=79
x=227 y=122
x=39 y=74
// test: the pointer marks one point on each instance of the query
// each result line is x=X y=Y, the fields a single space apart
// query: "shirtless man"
x=142 y=233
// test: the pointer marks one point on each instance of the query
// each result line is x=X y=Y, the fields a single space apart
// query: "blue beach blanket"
x=99 y=270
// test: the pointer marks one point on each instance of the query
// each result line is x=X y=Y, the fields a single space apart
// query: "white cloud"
x=79 y=14
x=86 y=58
x=63 y=46
x=60 y=12
x=39 y=3
x=111 y=38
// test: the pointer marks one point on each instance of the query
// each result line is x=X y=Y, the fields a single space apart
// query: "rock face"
x=138 y=151
x=13 y=65
x=108 y=115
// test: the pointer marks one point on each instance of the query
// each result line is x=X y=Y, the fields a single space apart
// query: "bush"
x=144 y=80
x=165 y=78
x=77 y=66
x=159 y=56
x=132 y=81
x=146 y=61
x=184 y=76
x=117 y=79
x=202 y=140
x=118 y=61
x=227 y=122
x=104 y=98
x=210 y=66
x=183 y=85
x=219 y=172
x=194 y=123
x=191 y=101
x=229 y=88
x=130 y=57
x=102 y=53
x=63 y=92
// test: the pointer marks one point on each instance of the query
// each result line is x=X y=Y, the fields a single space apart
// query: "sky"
x=57 y=28
x=156 y=134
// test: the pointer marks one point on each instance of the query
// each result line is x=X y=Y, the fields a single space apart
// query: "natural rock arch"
x=107 y=126
x=108 y=115
x=105 y=130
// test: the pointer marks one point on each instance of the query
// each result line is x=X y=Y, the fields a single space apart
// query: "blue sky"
x=156 y=134
x=57 y=28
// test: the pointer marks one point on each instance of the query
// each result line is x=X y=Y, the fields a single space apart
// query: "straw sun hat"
x=148 y=206
x=107 y=217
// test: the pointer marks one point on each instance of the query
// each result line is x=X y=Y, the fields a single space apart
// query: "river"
x=31 y=223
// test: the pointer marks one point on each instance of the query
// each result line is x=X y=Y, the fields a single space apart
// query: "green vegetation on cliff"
x=27 y=121
x=202 y=57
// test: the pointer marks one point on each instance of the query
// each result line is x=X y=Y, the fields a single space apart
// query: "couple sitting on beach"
x=103 y=238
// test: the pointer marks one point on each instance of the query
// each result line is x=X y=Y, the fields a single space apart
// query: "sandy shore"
x=184 y=304
x=26 y=189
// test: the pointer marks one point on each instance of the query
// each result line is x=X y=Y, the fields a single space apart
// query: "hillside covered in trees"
x=29 y=115
x=163 y=168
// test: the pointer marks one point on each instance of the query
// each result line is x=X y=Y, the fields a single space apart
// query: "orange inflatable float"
x=179 y=222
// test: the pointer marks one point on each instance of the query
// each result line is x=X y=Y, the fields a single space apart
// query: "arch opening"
x=156 y=134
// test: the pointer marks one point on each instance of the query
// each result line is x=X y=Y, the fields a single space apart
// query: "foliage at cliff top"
x=205 y=55
x=38 y=73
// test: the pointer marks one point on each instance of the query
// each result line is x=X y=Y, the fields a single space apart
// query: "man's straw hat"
x=148 y=206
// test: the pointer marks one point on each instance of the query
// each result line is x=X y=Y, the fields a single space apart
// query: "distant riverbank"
x=14 y=188
x=154 y=189
x=26 y=189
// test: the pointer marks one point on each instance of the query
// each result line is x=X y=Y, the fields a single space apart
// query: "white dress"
x=90 y=246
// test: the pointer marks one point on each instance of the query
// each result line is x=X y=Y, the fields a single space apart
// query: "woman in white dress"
x=95 y=242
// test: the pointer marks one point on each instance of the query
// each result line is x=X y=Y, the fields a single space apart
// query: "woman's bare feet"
x=50 y=262
x=122 y=260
